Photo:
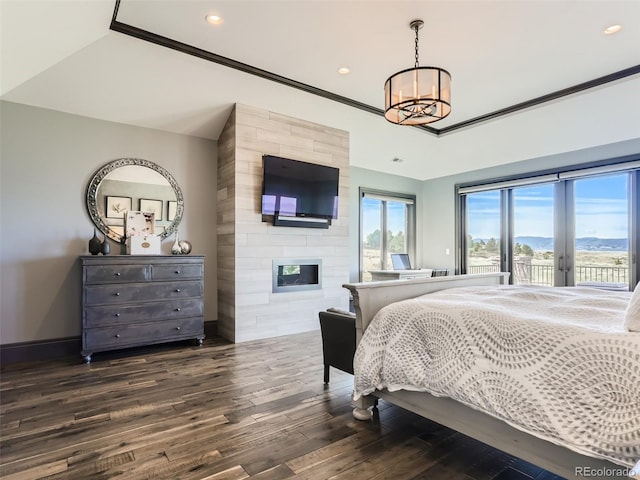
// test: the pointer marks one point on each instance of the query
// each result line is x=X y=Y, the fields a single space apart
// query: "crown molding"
x=151 y=37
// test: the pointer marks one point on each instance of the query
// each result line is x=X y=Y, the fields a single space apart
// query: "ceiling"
x=62 y=55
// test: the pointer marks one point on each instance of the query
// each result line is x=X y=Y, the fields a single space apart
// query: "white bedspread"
x=553 y=362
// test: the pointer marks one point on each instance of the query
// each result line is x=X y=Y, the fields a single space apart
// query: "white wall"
x=47 y=160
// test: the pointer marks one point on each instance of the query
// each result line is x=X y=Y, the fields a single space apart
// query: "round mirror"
x=134 y=184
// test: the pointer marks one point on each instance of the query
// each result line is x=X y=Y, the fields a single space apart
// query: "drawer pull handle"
x=178 y=290
x=117 y=294
x=177 y=272
x=117 y=274
x=117 y=314
x=177 y=328
x=117 y=335
x=178 y=309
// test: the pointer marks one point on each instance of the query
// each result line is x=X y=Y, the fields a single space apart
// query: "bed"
x=506 y=385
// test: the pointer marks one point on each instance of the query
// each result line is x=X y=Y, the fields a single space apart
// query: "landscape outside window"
x=483 y=232
x=598 y=210
x=384 y=231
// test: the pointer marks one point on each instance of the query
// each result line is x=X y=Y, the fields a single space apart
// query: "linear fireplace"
x=291 y=275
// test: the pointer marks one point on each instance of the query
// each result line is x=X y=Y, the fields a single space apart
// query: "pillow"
x=632 y=315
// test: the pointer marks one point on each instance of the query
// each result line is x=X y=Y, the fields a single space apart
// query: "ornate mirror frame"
x=101 y=174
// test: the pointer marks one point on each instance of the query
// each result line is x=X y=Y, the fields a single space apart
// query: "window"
x=483 y=232
x=577 y=227
x=387 y=225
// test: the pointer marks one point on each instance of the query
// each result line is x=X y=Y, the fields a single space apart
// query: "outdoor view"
x=378 y=215
x=601 y=232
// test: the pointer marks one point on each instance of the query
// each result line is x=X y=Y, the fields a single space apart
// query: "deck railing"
x=543 y=274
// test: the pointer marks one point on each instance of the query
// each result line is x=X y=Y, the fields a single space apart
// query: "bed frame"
x=370 y=297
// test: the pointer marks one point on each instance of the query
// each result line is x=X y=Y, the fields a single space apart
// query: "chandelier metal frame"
x=418 y=95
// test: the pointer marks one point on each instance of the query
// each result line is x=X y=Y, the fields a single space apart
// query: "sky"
x=601 y=209
x=371 y=215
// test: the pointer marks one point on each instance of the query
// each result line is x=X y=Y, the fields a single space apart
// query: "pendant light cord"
x=417 y=63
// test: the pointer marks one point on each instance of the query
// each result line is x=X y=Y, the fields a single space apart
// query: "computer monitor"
x=401 y=261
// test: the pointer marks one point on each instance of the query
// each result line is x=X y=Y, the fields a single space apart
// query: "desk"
x=377 y=275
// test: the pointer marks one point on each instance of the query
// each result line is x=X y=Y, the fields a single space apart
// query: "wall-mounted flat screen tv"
x=299 y=189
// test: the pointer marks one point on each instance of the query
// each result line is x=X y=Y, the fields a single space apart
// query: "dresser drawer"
x=140 y=292
x=96 y=274
x=109 y=315
x=176 y=272
x=128 y=335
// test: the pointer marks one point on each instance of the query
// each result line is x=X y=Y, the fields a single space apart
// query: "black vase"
x=94 y=244
x=105 y=248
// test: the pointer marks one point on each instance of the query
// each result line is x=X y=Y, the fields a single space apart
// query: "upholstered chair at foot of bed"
x=339 y=347
x=338 y=330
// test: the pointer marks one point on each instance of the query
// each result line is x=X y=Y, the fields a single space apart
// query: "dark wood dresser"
x=132 y=300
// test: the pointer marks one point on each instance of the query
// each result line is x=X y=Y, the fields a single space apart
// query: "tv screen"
x=299 y=189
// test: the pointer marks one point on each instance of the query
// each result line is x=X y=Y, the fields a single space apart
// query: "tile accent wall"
x=247 y=309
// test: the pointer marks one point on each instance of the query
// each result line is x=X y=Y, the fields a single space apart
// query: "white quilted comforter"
x=553 y=362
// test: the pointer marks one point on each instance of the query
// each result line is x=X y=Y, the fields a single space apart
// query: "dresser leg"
x=87 y=358
x=199 y=341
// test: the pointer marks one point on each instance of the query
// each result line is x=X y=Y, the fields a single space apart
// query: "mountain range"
x=588 y=244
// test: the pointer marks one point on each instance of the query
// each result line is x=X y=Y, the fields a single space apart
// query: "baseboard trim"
x=210 y=328
x=40 y=350
x=59 y=347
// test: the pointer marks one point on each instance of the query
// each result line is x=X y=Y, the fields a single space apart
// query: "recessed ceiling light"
x=344 y=70
x=611 y=29
x=213 y=19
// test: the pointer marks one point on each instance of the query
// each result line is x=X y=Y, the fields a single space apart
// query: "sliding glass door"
x=533 y=237
x=483 y=227
x=601 y=237
x=570 y=228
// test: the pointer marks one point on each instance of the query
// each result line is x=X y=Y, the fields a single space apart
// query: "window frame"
x=563 y=176
x=410 y=201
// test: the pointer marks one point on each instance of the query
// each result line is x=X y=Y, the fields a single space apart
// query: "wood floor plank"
x=331 y=451
x=217 y=412
x=38 y=471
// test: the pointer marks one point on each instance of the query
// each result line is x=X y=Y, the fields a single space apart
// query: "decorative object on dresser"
x=135 y=300
x=105 y=248
x=140 y=233
x=176 y=249
x=94 y=244
x=185 y=247
x=181 y=247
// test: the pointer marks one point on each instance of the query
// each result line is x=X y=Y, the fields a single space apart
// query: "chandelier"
x=418 y=95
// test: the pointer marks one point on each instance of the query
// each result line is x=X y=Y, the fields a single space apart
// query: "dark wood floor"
x=255 y=410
